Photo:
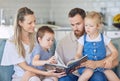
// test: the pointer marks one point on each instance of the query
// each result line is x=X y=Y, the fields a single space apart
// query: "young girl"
x=41 y=53
x=93 y=44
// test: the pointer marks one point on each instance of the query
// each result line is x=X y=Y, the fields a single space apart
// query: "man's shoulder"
x=65 y=38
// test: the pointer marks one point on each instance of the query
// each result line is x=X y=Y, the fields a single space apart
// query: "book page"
x=74 y=65
x=59 y=60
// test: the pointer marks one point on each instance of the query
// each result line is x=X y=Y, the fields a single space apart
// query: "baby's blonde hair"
x=96 y=16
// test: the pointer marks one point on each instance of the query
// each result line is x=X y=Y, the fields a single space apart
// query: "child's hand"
x=52 y=60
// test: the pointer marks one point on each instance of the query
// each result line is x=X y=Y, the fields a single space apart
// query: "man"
x=67 y=47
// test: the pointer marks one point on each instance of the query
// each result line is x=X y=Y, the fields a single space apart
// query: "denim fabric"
x=6 y=72
x=98 y=76
x=94 y=50
x=69 y=77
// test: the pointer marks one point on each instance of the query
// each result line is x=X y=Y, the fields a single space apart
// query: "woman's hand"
x=58 y=75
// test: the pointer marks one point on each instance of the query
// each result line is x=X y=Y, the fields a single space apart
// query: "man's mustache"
x=76 y=30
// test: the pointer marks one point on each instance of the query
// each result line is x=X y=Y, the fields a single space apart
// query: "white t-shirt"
x=105 y=38
x=11 y=57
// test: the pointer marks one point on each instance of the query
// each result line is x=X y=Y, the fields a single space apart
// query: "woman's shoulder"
x=10 y=41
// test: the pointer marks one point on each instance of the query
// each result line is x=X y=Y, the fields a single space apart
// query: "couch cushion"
x=117 y=70
x=5 y=71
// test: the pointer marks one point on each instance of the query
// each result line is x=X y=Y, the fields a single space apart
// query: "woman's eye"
x=48 y=39
x=85 y=25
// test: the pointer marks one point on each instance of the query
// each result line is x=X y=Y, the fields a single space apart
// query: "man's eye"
x=48 y=39
x=29 y=23
x=78 y=24
x=72 y=24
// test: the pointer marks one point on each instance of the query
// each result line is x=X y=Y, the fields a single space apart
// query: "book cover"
x=71 y=67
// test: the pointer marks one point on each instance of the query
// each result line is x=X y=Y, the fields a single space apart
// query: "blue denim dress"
x=95 y=51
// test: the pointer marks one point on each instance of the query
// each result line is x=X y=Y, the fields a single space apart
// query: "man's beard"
x=78 y=33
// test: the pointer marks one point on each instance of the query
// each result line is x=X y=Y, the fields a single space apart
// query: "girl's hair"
x=22 y=12
x=42 y=30
x=96 y=16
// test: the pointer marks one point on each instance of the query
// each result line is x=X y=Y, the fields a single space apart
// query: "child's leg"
x=34 y=78
x=111 y=76
x=55 y=78
x=51 y=79
x=27 y=75
x=86 y=75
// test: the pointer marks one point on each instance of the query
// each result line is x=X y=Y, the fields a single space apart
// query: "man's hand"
x=89 y=63
x=108 y=63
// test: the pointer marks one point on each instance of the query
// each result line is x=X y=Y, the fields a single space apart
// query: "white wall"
x=40 y=7
x=56 y=10
x=62 y=7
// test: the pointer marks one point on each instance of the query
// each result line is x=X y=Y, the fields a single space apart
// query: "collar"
x=73 y=37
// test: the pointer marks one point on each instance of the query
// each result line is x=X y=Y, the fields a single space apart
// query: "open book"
x=71 y=67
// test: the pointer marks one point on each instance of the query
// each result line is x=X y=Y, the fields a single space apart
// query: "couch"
x=7 y=71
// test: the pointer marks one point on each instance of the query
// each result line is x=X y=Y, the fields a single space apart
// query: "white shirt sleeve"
x=106 y=40
x=10 y=55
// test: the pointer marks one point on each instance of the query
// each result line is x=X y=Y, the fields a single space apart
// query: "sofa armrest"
x=6 y=72
x=117 y=70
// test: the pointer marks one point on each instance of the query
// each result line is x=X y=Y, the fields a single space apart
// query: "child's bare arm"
x=37 y=62
x=79 y=52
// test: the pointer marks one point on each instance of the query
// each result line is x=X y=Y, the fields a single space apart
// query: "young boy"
x=41 y=53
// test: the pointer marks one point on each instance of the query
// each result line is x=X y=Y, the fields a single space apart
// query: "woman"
x=17 y=49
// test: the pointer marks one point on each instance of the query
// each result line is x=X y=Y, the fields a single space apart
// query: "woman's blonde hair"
x=22 y=12
x=96 y=16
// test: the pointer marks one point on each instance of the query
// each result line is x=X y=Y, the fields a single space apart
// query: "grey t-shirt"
x=44 y=55
x=67 y=48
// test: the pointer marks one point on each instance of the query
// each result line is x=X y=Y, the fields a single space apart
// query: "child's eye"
x=29 y=22
x=86 y=25
x=91 y=26
x=48 y=39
